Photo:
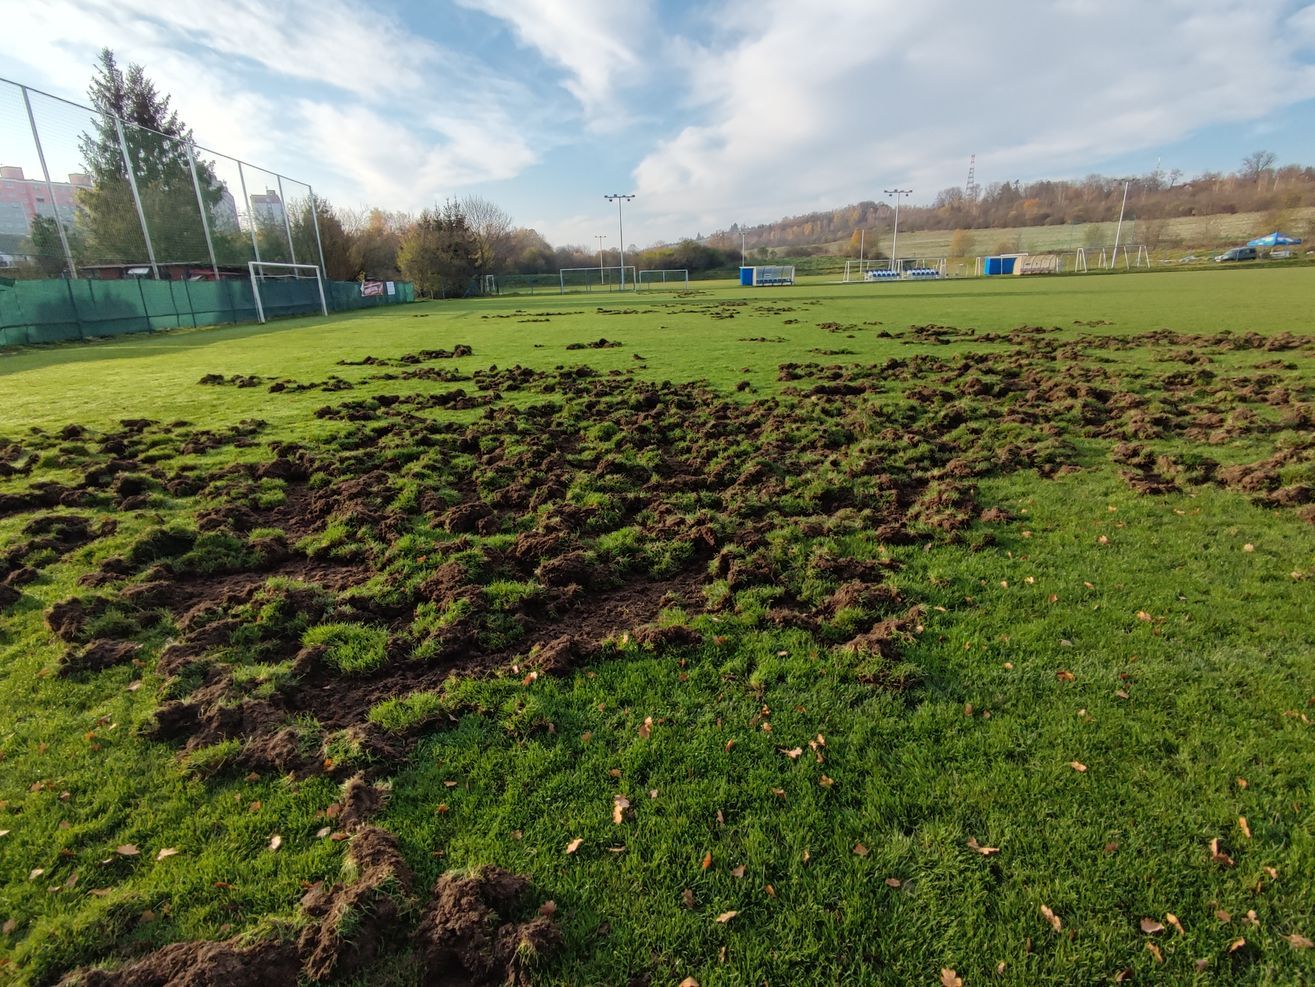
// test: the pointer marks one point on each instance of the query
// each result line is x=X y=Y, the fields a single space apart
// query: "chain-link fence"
x=86 y=196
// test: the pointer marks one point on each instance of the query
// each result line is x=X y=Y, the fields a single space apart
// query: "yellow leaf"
x=689 y=982
x=769 y=890
x=1236 y=944
x=1172 y=919
x=707 y=860
x=1064 y=675
x=35 y=873
x=275 y=842
x=985 y=851
x=1078 y=766
x=949 y=978
x=1242 y=825
x=793 y=753
x=127 y=850
x=574 y=845
x=1298 y=941
x=1154 y=950
x=620 y=809
x=825 y=781
x=893 y=882
x=1143 y=615
x=646 y=729
x=725 y=917
x=166 y=852
x=1052 y=918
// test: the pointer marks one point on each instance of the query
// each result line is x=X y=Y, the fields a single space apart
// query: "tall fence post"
x=50 y=188
x=251 y=220
x=287 y=225
x=136 y=196
x=315 y=218
x=200 y=205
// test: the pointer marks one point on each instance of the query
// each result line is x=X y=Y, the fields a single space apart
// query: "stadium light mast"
x=600 y=237
x=618 y=198
x=894 y=239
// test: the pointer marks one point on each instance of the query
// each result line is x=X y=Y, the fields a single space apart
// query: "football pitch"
x=864 y=634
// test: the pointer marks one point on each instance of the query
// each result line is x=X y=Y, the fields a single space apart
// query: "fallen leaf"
x=737 y=871
x=1064 y=675
x=1077 y=766
x=441 y=809
x=725 y=917
x=1008 y=666
x=1052 y=918
x=166 y=853
x=1242 y=825
x=652 y=793
x=779 y=792
x=893 y=882
x=687 y=898
x=825 y=781
x=985 y=851
x=1143 y=615
x=1222 y=915
x=1298 y=941
x=1241 y=782
x=614 y=772
x=1172 y=919
x=35 y=873
x=9 y=926
x=1201 y=965
x=1272 y=872
x=949 y=978
x=689 y=982
x=275 y=842
x=793 y=753
x=729 y=745
x=5 y=832
x=322 y=833
x=860 y=850
x=1154 y=950
x=807 y=856
x=1236 y=944
x=574 y=845
x=1151 y=927
x=707 y=860
x=1111 y=847
x=769 y=890
x=1218 y=856
x=646 y=728
x=621 y=809
x=1248 y=547
x=1120 y=694
x=127 y=850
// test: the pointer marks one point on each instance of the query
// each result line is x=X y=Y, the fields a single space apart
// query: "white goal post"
x=257 y=270
x=588 y=278
x=660 y=276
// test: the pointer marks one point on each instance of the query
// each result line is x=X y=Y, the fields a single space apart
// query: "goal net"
x=287 y=289
x=647 y=279
x=596 y=278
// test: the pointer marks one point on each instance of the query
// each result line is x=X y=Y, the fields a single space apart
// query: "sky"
x=710 y=113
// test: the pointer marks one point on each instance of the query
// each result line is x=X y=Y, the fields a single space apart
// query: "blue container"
x=746 y=277
x=999 y=265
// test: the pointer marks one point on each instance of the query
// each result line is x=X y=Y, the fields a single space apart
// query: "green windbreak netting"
x=57 y=310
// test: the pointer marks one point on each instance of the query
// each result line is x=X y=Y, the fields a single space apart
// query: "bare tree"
x=1257 y=164
x=492 y=228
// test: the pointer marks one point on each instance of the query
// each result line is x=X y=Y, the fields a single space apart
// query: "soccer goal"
x=596 y=278
x=648 y=279
x=287 y=290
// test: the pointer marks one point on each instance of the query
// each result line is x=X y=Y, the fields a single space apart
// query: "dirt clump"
x=200 y=964
x=468 y=934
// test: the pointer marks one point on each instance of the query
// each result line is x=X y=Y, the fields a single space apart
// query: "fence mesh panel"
x=126 y=230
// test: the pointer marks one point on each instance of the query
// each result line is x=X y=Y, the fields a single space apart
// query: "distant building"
x=23 y=199
x=267 y=208
x=223 y=214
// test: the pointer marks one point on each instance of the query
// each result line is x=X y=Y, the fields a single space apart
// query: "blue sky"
x=712 y=113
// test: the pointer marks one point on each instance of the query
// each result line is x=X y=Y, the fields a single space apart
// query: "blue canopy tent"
x=1274 y=239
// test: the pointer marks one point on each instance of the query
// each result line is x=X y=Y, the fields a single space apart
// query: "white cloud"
x=603 y=45
x=813 y=111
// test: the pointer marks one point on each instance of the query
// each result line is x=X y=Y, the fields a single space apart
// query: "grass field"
x=877 y=634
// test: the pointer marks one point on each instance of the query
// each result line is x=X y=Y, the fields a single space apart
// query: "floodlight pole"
x=618 y=198
x=1118 y=232
x=602 y=277
x=894 y=239
x=742 y=250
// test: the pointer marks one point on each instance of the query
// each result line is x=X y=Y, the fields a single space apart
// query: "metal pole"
x=200 y=204
x=742 y=251
x=50 y=189
x=136 y=196
x=602 y=277
x=251 y=220
x=862 y=235
x=287 y=226
x=255 y=291
x=894 y=239
x=619 y=198
x=1119 y=230
x=315 y=218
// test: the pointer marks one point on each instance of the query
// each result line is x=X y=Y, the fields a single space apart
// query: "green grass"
x=1218 y=688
